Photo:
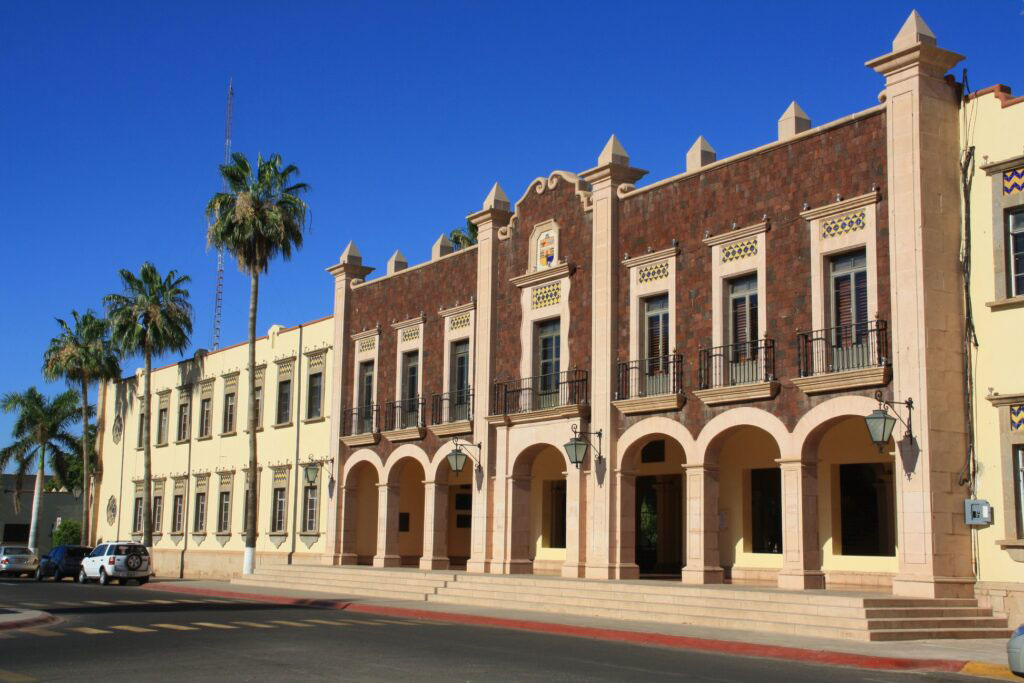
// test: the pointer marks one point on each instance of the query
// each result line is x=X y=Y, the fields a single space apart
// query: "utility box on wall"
x=977 y=512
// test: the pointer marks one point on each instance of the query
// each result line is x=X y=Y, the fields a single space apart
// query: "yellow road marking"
x=289 y=623
x=88 y=630
x=103 y=603
x=253 y=624
x=176 y=627
x=11 y=677
x=42 y=632
x=975 y=668
x=134 y=629
x=210 y=624
x=326 y=621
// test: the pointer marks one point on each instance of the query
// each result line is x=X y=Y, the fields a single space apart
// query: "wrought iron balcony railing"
x=848 y=347
x=655 y=376
x=453 y=406
x=403 y=414
x=360 y=420
x=732 y=364
x=566 y=388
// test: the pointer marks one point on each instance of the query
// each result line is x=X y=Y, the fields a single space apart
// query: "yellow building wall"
x=410 y=501
x=744 y=449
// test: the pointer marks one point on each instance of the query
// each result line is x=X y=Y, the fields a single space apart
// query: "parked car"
x=62 y=561
x=121 y=560
x=17 y=560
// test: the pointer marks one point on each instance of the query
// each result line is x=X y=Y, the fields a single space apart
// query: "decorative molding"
x=564 y=269
x=367 y=439
x=843 y=224
x=738 y=234
x=580 y=410
x=455 y=310
x=739 y=250
x=372 y=332
x=650 y=404
x=410 y=333
x=546 y=295
x=739 y=393
x=651 y=257
x=845 y=380
x=453 y=428
x=418 y=320
x=998 y=400
x=1004 y=165
x=458 y=322
x=1002 y=304
x=652 y=272
x=407 y=434
x=843 y=206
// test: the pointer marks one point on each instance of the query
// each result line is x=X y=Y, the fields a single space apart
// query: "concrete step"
x=925 y=612
x=937 y=634
x=943 y=623
x=298 y=576
x=377 y=591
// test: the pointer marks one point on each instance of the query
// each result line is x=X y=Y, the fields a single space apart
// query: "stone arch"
x=650 y=427
x=740 y=417
x=404 y=452
x=818 y=419
x=361 y=476
x=539 y=492
x=523 y=460
x=360 y=456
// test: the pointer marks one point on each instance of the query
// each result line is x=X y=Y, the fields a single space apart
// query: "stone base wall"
x=217 y=564
x=1005 y=599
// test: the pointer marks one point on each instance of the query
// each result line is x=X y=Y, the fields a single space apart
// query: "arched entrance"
x=404 y=518
x=448 y=515
x=538 y=511
x=652 y=495
x=359 y=517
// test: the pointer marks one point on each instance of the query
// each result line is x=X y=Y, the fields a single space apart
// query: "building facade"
x=716 y=337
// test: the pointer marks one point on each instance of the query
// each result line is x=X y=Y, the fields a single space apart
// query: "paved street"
x=128 y=632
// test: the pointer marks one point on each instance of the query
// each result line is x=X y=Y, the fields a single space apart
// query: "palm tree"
x=82 y=353
x=151 y=317
x=464 y=237
x=40 y=431
x=257 y=219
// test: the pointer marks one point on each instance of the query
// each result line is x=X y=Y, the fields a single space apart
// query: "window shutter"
x=654 y=336
x=861 y=297
x=842 y=316
x=739 y=321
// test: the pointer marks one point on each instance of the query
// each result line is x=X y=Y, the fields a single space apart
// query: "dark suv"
x=64 y=560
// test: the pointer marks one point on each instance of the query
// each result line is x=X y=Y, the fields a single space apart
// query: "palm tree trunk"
x=85 y=462
x=33 y=529
x=147 y=464
x=249 y=561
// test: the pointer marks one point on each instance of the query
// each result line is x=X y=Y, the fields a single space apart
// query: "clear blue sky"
x=400 y=115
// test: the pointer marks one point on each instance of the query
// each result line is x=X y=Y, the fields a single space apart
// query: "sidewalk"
x=23 y=618
x=973 y=657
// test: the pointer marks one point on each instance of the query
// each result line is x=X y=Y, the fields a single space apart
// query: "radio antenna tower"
x=218 y=301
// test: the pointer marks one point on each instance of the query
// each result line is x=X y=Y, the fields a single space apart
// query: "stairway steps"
x=935 y=634
x=363 y=591
x=299 y=577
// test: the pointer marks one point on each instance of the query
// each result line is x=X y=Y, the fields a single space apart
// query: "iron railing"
x=528 y=394
x=732 y=364
x=403 y=414
x=848 y=347
x=360 y=420
x=650 y=377
x=453 y=406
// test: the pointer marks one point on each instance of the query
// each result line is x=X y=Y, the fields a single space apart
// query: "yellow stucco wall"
x=744 y=449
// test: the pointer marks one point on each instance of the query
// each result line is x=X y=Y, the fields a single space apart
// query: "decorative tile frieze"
x=367 y=344
x=1013 y=181
x=653 y=272
x=411 y=333
x=458 y=322
x=840 y=225
x=317 y=360
x=1017 y=418
x=546 y=295
x=738 y=250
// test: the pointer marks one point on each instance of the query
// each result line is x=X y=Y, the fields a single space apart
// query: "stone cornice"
x=372 y=332
x=455 y=310
x=758 y=391
x=999 y=400
x=538 y=277
x=452 y=428
x=1005 y=165
x=418 y=320
x=651 y=257
x=738 y=234
x=841 y=206
x=650 y=404
x=842 y=381
x=935 y=59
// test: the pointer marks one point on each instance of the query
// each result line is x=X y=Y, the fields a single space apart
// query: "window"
x=458 y=383
x=743 y=330
x=179 y=514
x=142 y=430
x=161 y=426
x=556 y=517
x=766 y=510
x=403 y=522
x=224 y=513
x=1015 y=253
x=257 y=396
x=656 y=379
x=309 y=500
x=137 y=516
x=548 y=363
x=284 y=401
x=183 y=421
x=1018 y=487
x=229 y=414
x=158 y=513
x=277 y=511
x=315 y=396
x=848 y=304
x=205 y=409
x=199 y=518
x=867 y=509
x=410 y=389
x=364 y=415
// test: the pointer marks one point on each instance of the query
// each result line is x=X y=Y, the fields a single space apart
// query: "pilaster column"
x=612 y=170
x=934 y=543
x=701 y=519
x=349 y=509
x=801 y=550
x=387 y=527
x=520 y=554
x=576 y=516
x=495 y=214
x=435 y=526
x=625 y=542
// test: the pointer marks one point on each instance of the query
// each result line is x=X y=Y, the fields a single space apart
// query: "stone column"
x=612 y=170
x=348 y=268
x=495 y=214
x=349 y=503
x=387 y=527
x=801 y=550
x=701 y=520
x=519 y=552
x=934 y=543
x=435 y=526
x=625 y=542
x=576 y=516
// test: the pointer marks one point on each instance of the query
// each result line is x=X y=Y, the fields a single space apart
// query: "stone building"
x=716 y=337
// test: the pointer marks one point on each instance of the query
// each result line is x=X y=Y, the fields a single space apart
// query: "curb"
x=37 y=619
x=617 y=635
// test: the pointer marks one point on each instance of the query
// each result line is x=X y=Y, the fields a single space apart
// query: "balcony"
x=650 y=385
x=543 y=397
x=842 y=358
x=360 y=426
x=738 y=372
x=451 y=413
x=404 y=420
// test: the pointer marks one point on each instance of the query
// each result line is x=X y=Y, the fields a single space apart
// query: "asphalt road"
x=126 y=633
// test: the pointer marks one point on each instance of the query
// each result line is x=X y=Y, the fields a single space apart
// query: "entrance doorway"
x=659 y=517
x=867 y=509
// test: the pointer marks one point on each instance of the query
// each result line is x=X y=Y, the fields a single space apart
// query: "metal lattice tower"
x=218 y=301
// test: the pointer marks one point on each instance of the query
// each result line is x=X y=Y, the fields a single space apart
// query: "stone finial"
x=496 y=199
x=613 y=153
x=793 y=121
x=396 y=263
x=700 y=154
x=442 y=247
x=914 y=31
x=351 y=255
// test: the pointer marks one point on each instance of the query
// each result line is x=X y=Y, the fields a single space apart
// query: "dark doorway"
x=766 y=510
x=868 y=520
x=659 y=514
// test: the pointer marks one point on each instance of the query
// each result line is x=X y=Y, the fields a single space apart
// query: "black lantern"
x=576 y=447
x=311 y=475
x=880 y=422
x=457 y=456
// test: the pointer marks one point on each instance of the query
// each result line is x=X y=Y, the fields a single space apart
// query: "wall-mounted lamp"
x=880 y=423
x=457 y=456
x=576 y=448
